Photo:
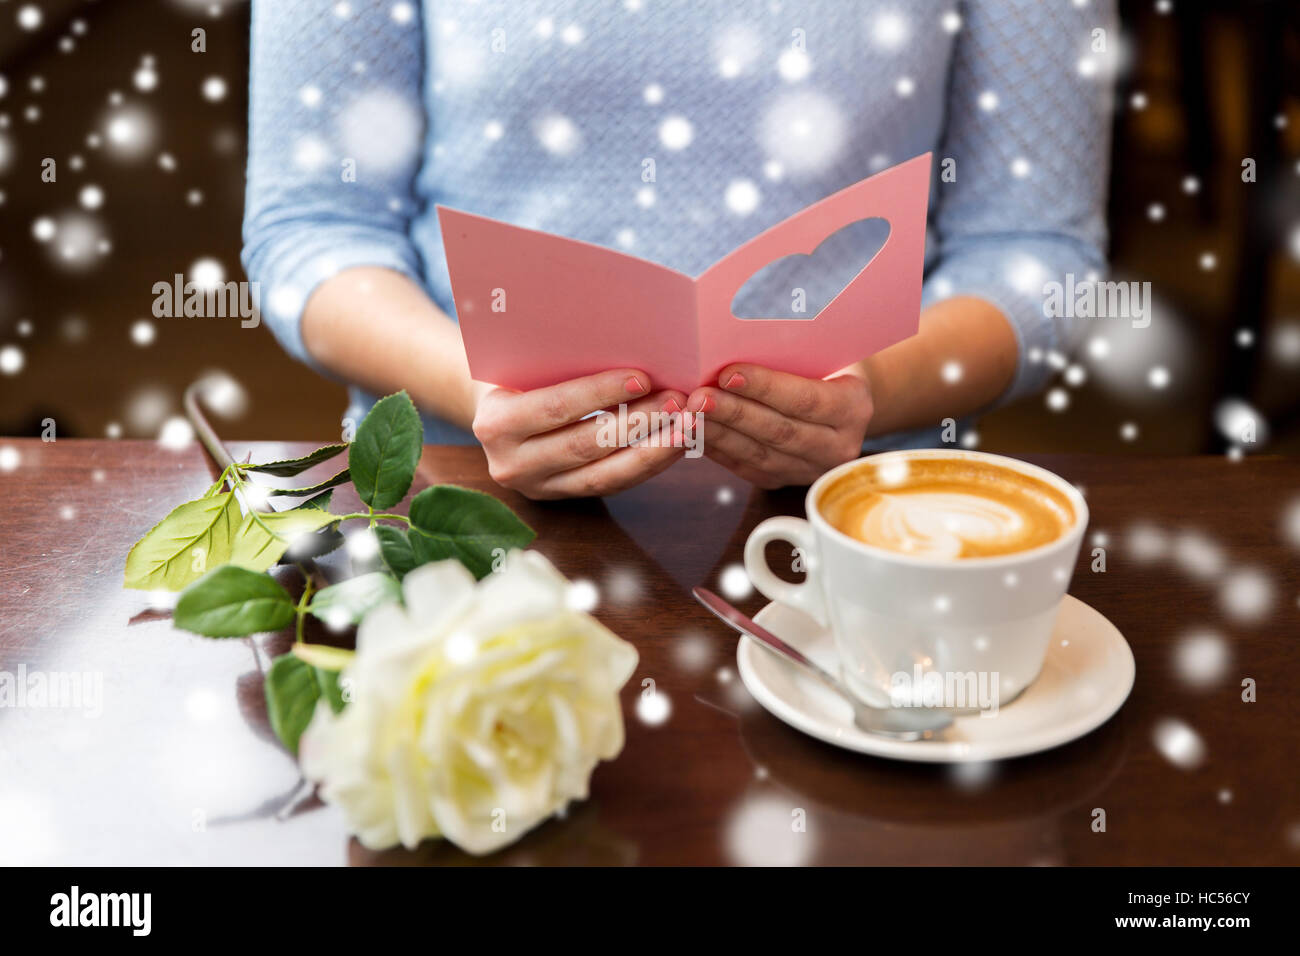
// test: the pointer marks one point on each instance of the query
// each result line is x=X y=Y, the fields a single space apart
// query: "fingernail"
x=671 y=406
x=735 y=381
x=634 y=385
x=709 y=404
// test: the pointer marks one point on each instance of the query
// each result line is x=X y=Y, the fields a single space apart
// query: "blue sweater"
x=543 y=112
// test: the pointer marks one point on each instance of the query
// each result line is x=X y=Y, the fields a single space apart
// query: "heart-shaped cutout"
x=800 y=286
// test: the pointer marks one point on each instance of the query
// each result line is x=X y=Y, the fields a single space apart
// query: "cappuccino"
x=944 y=507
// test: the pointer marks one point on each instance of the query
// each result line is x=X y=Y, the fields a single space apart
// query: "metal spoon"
x=900 y=723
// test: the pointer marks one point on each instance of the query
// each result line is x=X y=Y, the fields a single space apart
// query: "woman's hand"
x=774 y=429
x=538 y=443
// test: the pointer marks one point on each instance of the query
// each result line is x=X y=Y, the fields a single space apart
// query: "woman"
x=364 y=114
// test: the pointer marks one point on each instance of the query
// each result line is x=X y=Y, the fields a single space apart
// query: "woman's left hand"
x=774 y=428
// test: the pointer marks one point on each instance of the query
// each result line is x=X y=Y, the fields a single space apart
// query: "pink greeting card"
x=536 y=309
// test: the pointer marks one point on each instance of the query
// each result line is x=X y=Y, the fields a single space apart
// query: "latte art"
x=940 y=524
x=946 y=508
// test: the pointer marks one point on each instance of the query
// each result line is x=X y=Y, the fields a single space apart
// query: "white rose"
x=477 y=709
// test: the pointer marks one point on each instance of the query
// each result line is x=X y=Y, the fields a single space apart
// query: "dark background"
x=1203 y=86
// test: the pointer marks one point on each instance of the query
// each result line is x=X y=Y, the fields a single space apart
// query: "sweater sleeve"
x=1026 y=144
x=335 y=130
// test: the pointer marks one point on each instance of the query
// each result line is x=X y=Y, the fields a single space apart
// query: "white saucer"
x=1087 y=675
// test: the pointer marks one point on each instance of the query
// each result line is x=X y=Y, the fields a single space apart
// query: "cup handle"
x=807 y=597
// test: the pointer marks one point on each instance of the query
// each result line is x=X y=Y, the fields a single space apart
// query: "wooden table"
x=181 y=766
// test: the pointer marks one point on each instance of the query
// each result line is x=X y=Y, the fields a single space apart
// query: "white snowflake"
x=12 y=360
x=558 y=134
x=143 y=332
x=91 y=196
x=145 y=79
x=207 y=273
x=1247 y=595
x=29 y=17
x=735 y=50
x=742 y=196
x=176 y=434
x=582 y=595
x=804 y=131
x=1180 y=744
x=676 y=132
x=130 y=131
x=653 y=708
x=889 y=31
x=734 y=583
x=214 y=89
x=1026 y=274
x=381 y=129
x=1201 y=658
x=794 y=65
x=310 y=154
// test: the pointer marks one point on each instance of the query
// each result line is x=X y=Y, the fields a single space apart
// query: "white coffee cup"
x=897 y=617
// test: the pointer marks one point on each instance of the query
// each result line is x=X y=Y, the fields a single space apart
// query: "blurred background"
x=148 y=140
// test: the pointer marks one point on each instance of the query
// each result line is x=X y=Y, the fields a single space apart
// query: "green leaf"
x=326 y=539
x=326 y=662
x=233 y=602
x=179 y=549
x=386 y=450
x=330 y=688
x=321 y=502
x=313 y=545
x=395 y=550
x=254 y=547
x=349 y=601
x=292 y=689
x=343 y=476
x=452 y=522
x=323 y=657
x=293 y=466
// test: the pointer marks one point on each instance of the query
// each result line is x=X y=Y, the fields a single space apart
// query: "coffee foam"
x=947 y=508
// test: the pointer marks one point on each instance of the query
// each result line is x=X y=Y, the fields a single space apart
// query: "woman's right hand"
x=541 y=444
